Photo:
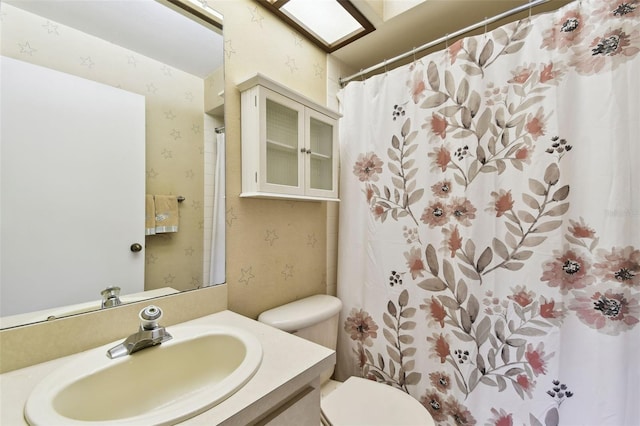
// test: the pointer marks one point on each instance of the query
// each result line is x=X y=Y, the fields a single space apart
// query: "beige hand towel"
x=150 y=215
x=167 y=214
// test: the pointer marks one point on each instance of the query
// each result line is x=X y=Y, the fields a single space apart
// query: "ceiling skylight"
x=329 y=24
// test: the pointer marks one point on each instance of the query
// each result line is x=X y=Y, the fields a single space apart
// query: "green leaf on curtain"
x=435 y=101
x=433 y=76
x=432 y=284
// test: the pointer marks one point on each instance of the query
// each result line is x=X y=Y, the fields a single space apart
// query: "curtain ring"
x=530 y=7
x=385 y=67
x=485 y=26
x=414 y=55
x=446 y=41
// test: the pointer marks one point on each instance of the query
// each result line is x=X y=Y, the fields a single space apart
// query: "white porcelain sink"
x=164 y=384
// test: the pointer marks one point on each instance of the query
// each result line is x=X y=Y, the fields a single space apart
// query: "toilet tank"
x=314 y=318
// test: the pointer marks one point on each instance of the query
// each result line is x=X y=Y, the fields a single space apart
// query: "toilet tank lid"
x=302 y=313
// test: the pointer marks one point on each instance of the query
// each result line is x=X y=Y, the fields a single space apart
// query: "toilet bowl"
x=357 y=401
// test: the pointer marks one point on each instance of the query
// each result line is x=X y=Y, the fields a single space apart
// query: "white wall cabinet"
x=289 y=144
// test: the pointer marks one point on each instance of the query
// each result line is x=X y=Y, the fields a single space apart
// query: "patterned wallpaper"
x=276 y=250
x=174 y=122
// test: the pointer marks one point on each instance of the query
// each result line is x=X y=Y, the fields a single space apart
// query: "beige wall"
x=276 y=250
x=174 y=123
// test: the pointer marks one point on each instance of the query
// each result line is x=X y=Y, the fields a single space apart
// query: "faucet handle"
x=111 y=291
x=149 y=317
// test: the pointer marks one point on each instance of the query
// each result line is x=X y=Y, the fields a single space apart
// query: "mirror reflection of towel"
x=167 y=214
x=150 y=215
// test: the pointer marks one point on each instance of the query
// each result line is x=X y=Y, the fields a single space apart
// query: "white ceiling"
x=423 y=23
x=144 y=26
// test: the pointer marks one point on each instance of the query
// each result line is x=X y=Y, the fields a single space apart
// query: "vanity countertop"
x=288 y=364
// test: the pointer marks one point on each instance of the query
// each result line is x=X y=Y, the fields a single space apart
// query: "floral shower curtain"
x=489 y=253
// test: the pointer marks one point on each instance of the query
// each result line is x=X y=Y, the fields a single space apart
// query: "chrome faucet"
x=110 y=297
x=149 y=334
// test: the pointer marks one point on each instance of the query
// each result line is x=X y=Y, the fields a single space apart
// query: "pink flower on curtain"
x=369 y=193
x=462 y=210
x=524 y=153
x=521 y=74
x=500 y=418
x=435 y=214
x=521 y=296
x=368 y=167
x=377 y=210
x=621 y=265
x=361 y=327
x=442 y=189
x=526 y=384
x=536 y=124
x=537 y=359
x=436 y=310
x=549 y=312
x=417 y=86
x=414 y=262
x=607 y=51
x=440 y=348
x=581 y=229
x=503 y=202
x=610 y=311
x=550 y=74
x=568 y=271
x=628 y=9
x=441 y=157
x=441 y=381
x=453 y=240
x=567 y=31
x=433 y=402
x=458 y=412
x=439 y=125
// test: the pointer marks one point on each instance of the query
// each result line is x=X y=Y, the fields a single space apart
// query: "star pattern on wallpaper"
x=195 y=128
x=152 y=88
x=291 y=63
x=196 y=205
x=201 y=224
x=51 y=28
x=256 y=16
x=166 y=70
x=175 y=134
x=152 y=174
x=195 y=282
x=27 y=49
x=271 y=236
x=188 y=96
x=166 y=154
x=151 y=259
x=287 y=272
x=131 y=60
x=246 y=275
x=312 y=240
x=228 y=49
x=86 y=61
x=189 y=174
x=169 y=115
x=297 y=39
x=168 y=279
x=231 y=216
x=318 y=70
x=189 y=251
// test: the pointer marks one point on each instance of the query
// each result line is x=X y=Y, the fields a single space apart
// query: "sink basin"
x=164 y=384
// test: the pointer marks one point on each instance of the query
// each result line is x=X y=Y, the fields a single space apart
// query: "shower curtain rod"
x=531 y=4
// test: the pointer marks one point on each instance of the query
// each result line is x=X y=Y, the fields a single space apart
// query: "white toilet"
x=357 y=401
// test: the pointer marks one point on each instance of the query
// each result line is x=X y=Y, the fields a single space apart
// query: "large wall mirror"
x=121 y=100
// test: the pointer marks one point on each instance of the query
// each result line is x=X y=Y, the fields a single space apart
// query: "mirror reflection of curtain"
x=489 y=223
x=217 y=269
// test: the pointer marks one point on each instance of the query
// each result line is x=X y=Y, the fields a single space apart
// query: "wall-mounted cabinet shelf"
x=289 y=144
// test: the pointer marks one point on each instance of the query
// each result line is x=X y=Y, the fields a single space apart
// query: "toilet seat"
x=364 y=402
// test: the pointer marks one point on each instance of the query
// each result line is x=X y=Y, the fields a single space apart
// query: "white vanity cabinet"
x=289 y=144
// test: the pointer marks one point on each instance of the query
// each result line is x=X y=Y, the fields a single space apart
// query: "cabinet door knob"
x=136 y=247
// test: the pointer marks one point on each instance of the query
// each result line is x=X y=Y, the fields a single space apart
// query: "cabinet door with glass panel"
x=289 y=145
